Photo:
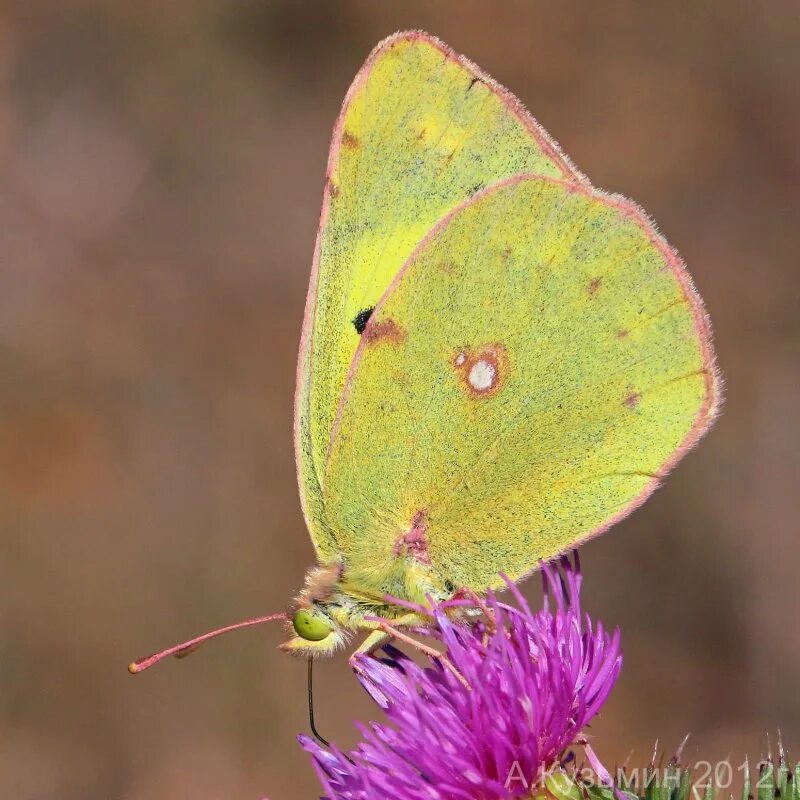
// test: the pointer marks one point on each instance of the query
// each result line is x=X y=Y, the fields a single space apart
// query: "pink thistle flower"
x=534 y=681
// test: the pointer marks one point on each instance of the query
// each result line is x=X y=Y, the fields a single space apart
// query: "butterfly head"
x=314 y=632
x=317 y=620
x=310 y=626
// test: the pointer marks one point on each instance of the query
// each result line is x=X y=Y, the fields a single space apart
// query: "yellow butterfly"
x=498 y=361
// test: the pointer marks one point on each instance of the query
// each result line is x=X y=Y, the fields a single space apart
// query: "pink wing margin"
x=702 y=325
x=545 y=141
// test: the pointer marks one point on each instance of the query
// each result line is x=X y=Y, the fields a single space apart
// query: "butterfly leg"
x=386 y=632
x=375 y=640
x=379 y=635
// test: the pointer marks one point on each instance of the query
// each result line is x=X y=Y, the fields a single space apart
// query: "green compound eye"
x=309 y=627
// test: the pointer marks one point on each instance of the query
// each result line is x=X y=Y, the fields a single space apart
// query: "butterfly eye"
x=309 y=627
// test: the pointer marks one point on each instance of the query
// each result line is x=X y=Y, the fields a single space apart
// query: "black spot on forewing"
x=473 y=82
x=361 y=319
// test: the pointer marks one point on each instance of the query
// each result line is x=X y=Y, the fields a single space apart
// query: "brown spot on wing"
x=632 y=400
x=350 y=141
x=384 y=330
x=333 y=189
x=594 y=286
x=414 y=542
x=622 y=333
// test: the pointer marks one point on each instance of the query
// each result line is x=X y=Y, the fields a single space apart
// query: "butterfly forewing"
x=421 y=130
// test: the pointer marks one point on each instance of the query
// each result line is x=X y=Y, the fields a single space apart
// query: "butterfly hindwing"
x=531 y=374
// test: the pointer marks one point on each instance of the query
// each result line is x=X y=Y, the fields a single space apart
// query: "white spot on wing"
x=460 y=359
x=482 y=376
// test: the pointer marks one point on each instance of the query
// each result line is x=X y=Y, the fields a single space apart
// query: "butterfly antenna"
x=321 y=739
x=185 y=648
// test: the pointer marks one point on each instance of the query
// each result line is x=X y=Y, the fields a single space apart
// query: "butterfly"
x=498 y=361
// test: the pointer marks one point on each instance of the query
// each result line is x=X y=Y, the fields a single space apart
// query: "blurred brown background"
x=162 y=168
